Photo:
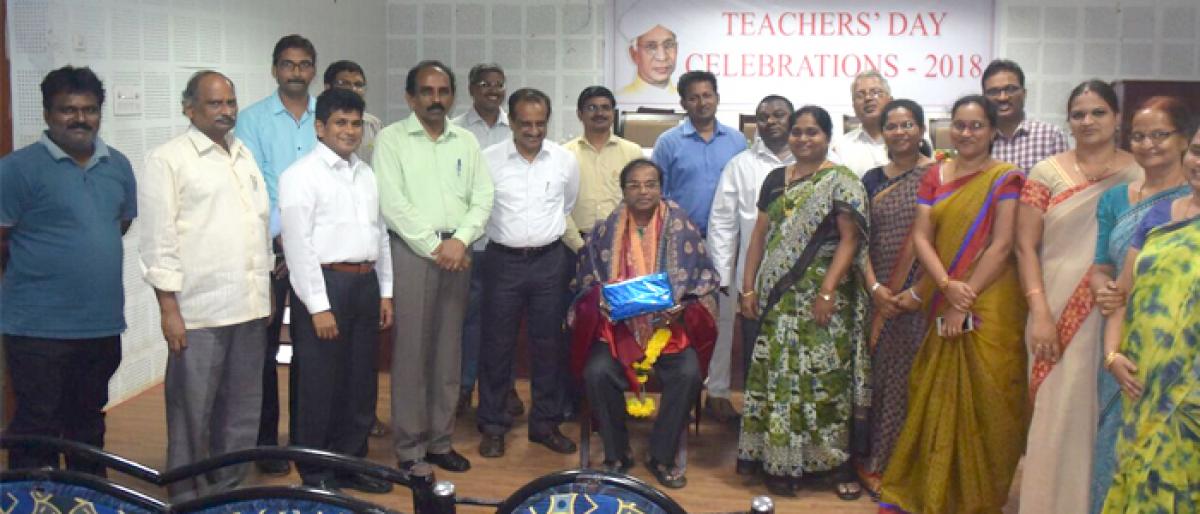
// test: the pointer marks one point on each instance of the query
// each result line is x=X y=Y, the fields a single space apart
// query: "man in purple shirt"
x=1020 y=141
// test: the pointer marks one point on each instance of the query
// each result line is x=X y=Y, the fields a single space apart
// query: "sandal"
x=848 y=487
x=621 y=466
x=669 y=477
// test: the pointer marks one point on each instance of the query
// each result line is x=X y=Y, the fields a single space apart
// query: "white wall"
x=557 y=46
x=153 y=46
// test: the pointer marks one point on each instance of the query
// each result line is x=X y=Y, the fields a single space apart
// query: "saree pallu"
x=968 y=404
x=1104 y=461
x=1158 y=449
x=806 y=381
x=895 y=340
x=1062 y=431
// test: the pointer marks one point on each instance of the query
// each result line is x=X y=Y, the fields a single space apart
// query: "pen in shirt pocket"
x=459 y=166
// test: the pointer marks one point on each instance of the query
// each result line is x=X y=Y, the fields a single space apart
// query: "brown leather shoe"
x=491 y=446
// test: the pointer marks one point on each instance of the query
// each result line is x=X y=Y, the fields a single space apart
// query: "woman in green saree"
x=803 y=281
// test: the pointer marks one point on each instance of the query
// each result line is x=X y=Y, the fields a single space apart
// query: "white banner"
x=930 y=51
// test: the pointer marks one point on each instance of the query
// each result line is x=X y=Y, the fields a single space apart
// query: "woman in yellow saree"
x=967 y=401
x=1154 y=352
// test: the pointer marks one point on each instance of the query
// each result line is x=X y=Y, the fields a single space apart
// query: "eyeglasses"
x=293 y=65
x=652 y=47
x=1009 y=90
x=1156 y=137
x=651 y=185
x=483 y=84
x=71 y=111
x=870 y=93
x=346 y=84
x=904 y=125
x=597 y=108
x=967 y=126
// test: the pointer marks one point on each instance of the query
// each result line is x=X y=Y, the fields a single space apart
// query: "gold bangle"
x=944 y=283
x=825 y=296
x=1034 y=291
x=747 y=294
x=1108 y=359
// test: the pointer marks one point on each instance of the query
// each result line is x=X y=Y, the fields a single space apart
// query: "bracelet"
x=1108 y=359
x=913 y=293
x=1035 y=291
x=825 y=296
x=875 y=286
x=944 y=283
x=747 y=294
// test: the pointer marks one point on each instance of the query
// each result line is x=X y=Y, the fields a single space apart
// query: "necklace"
x=1103 y=173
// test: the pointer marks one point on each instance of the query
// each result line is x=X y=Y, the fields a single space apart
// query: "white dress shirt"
x=487 y=136
x=202 y=217
x=858 y=151
x=532 y=199
x=735 y=208
x=329 y=208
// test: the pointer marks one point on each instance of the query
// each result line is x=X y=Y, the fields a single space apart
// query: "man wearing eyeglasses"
x=863 y=148
x=349 y=75
x=1020 y=141
x=653 y=50
x=278 y=130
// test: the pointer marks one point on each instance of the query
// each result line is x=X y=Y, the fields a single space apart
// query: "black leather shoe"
x=449 y=461
x=513 y=405
x=555 y=441
x=273 y=467
x=325 y=484
x=491 y=446
x=364 y=483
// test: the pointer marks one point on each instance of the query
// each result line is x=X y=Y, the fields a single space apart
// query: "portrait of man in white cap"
x=653 y=49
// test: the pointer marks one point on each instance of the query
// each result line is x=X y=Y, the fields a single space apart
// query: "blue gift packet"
x=637 y=296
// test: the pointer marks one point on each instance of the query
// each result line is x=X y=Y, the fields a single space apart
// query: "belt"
x=532 y=251
x=441 y=234
x=350 y=267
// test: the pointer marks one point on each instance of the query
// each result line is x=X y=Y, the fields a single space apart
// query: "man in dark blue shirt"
x=65 y=202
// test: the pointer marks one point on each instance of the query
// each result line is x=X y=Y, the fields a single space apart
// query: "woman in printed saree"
x=1118 y=215
x=803 y=282
x=643 y=236
x=1153 y=351
x=897 y=326
x=967 y=397
x=1055 y=219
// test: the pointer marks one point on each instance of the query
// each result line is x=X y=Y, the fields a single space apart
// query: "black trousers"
x=268 y=421
x=604 y=378
x=335 y=403
x=514 y=285
x=61 y=387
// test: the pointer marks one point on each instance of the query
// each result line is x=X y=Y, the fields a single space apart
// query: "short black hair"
x=193 y=85
x=410 y=81
x=527 y=94
x=637 y=163
x=71 y=80
x=819 y=114
x=903 y=103
x=293 y=41
x=1000 y=65
x=687 y=79
x=989 y=108
x=591 y=92
x=338 y=99
x=477 y=71
x=1102 y=89
x=332 y=71
x=777 y=98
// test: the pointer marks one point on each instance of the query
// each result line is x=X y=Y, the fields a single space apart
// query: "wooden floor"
x=137 y=430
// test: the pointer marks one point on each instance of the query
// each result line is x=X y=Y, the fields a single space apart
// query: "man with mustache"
x=278 y=130
x=341 y=274
x=65 y=202
x=206 y=251
x=734 y=213
x=527 y=269
x=863 y=148
x=1020 y=141
x=435 y=195
x=488 y=122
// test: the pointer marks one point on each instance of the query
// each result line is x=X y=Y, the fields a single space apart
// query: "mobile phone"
x=967 y=326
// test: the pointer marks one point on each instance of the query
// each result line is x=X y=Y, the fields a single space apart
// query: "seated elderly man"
x=643 y=236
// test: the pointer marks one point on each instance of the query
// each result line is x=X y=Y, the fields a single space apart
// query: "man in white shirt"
x=734 y=212
x=862 y=148
x=526 y=270
x=488 y=122
x=206 y=251
x=340 y=264
x=350 y=76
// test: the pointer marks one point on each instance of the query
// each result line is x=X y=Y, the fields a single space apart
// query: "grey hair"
x=193 y=84
x=871 y=74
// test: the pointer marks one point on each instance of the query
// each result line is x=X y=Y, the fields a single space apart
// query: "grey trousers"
x=214 y=397
x=719 y=367
x=427 y=352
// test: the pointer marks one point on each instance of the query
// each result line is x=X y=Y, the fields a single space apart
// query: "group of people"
x=912 y=324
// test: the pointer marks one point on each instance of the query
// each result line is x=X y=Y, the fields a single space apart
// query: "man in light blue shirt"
x=278 y=130
x=693 y=154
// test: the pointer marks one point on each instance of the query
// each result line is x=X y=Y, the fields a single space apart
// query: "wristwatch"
x=826 y=296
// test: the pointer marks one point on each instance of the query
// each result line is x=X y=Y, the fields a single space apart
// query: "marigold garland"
x=640 y=405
